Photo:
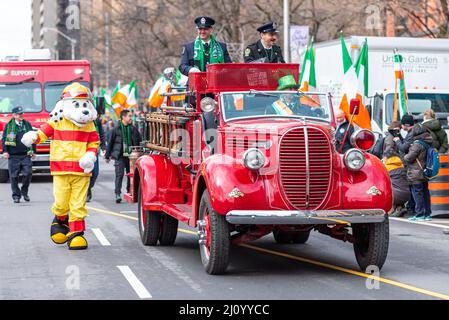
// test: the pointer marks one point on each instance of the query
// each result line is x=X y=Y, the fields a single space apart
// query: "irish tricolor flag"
x=399 y=84
x=122 y=95
x=355 y=84
x=117 y=106
x=131 y=101
x=307 y=78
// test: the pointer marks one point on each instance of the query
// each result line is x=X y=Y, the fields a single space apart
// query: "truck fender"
x=159 y=181
x=367 y=187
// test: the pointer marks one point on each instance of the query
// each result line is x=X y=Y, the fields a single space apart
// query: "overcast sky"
x=15 y=26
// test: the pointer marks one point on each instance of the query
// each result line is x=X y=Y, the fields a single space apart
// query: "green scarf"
x=126 y=135
x=12 y=130
x=216 y=53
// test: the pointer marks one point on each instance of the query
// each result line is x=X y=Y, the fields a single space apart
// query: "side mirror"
x=100 y=105
x=354 y=106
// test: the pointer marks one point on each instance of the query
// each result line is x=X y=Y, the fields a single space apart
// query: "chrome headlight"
x=208 y=104
x=354 y=159
x=254 y=159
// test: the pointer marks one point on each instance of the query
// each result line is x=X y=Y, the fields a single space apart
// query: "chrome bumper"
x=273 y=217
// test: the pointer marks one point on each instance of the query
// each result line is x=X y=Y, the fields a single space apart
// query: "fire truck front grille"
x=305 y=167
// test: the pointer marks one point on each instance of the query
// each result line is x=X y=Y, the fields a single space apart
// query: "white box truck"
x=426 y=69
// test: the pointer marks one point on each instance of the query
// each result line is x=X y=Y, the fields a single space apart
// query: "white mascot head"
x=75 y=105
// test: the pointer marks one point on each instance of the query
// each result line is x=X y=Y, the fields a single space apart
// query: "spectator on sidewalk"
x=416 y=162
x=121 y=139
x=403 y=145
x=438 y=134
x=396 y=170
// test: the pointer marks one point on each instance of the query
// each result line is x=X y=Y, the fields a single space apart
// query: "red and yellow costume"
x=70 y=183
x=73 y=152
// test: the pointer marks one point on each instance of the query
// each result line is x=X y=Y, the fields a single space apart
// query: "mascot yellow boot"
x=73 y=153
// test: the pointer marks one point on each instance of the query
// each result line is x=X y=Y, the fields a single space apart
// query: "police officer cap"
x=269 y=27
x=17 y=110
x=204 y=22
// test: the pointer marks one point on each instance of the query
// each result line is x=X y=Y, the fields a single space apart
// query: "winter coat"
x=401 y=190
x=69 y=143
x=439 y=135
x=404 y=144
x=417 y=153
x=114 y=148
x=390 y=147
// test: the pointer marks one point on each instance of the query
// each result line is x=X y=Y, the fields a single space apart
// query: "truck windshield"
x=254 y=104
x=53 y=92
x=420 y=102
x=27 y=95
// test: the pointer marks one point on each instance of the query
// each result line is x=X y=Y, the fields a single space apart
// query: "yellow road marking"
x=309 y=261
x=112 y=213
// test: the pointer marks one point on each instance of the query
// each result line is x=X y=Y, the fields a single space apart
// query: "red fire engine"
x=36 y=86
x=241 y=160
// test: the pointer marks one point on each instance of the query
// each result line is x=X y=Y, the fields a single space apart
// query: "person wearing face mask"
x=343 y=126
x=204 y=50
x=19 y=156
x=396 y=169
x=403 y=145
x=265 y=50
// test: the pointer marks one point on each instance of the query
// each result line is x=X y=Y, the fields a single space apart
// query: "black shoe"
x=118 y=198
x=16 y=200
x=26 y=198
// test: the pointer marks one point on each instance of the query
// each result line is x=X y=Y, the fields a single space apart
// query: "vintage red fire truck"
x=237 y=167
x=36 y=85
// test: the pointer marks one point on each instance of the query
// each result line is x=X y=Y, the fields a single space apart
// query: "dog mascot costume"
x=73 y=153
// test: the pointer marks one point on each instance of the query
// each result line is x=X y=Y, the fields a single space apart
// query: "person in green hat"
x=289 y=103
x=286 y=102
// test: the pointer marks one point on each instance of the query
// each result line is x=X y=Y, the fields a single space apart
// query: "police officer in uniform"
x=205 y=50
x=265 y=50
x=19 y=156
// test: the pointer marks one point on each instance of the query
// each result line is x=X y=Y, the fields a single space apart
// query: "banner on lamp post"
x=299 y=39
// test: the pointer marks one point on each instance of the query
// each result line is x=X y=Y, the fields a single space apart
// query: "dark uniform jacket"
x=340 y=134
x=257 y=51
x=20 y=149
x=188 y=52
x=114 y=147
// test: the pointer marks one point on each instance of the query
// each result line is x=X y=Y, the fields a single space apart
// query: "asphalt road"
x=118 y=266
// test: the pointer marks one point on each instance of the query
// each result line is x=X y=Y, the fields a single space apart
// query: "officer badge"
x=203 y=20
x=275 y=25
x=247 y=52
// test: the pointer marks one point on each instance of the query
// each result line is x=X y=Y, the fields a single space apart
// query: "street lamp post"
x=73 y=42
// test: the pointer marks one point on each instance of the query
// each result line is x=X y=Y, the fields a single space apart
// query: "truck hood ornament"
x=236 y=193
x=374 y=191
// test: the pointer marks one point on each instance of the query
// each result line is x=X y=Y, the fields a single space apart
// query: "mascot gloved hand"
x=73 y=152
x=29 y=138
x=87 y=162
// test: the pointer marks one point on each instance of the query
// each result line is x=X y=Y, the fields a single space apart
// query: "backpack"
x=378 y=149
x=432 y=161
